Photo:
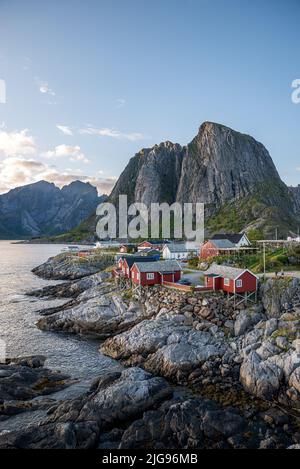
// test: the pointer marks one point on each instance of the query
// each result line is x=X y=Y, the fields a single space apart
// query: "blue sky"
x=120 y=75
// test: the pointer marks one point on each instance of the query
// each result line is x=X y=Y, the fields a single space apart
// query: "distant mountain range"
x=230 y=172
x=42 y=209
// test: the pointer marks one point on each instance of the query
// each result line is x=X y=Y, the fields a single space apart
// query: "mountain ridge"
x=41 y=208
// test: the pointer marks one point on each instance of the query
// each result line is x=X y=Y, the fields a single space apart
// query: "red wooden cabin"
x=216 y=247
x=155 y=273
x=125 y=264
x=231 y=280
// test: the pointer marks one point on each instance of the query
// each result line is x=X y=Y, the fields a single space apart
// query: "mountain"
x=230 y=172
x=41 y=209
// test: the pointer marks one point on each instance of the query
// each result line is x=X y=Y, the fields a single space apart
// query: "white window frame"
x=227 y=282
x=239 y=283
x=150 y=276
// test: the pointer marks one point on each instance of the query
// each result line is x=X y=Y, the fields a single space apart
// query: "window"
x=226 y=282
x=239 y=283
x=150 y=276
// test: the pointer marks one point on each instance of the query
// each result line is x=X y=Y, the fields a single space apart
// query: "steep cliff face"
x=222 y=165
x=43 y=209
x=230 y=172
x=153 y=175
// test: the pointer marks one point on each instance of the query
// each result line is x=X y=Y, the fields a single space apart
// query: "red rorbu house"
x=125 y=264
x=155 y=273
x=233 y=281
x=216 y=247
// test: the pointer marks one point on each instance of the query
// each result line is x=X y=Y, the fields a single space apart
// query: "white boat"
x=70 y=249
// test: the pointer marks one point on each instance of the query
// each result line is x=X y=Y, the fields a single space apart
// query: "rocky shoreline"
x=198 y=374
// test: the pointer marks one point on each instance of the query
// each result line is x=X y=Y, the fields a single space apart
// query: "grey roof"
x=159 y=266
x=180 y=248
x=233 y=237
x=177 y=247
x=223 y=243
x=225 y=271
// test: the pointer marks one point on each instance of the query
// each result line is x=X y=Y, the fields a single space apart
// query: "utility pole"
x=264 y=254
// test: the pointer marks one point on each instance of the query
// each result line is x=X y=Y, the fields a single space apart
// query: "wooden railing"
x=186 y=288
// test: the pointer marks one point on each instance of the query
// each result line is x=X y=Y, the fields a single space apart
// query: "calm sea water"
x=18 y=316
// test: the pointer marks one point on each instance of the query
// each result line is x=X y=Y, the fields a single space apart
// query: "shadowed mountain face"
x=230 y=172
x=43 y=209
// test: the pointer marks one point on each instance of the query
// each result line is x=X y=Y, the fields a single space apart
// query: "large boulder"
x=262 y=378
x=245 y=320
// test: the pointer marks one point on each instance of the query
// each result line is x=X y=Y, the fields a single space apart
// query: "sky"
x=85 y=85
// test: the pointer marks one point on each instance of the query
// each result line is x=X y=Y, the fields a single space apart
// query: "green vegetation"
x=276 y=260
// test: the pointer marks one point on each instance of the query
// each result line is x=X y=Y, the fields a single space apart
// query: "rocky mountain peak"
x=223 y=168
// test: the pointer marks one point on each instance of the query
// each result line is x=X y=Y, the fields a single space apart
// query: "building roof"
x=223 y=243
x=233 y=237
x=150 y=251
x=133 y=259
x=159 y=266
x=177 y=248
x=155 y=242
x=226 y=271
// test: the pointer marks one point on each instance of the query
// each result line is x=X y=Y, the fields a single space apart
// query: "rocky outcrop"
x=116 y=398
x=133 y=409
x=71 y=267
x=71 y=289
x=101 y=313
x=166 y=346
x=43 y=209
x=24 y=379
x=280 y=295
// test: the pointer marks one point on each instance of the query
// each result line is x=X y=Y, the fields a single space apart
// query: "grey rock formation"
x=115 y=398
x=100 y=315
x=278 y=295
x=166 y=346
x=24 y=379
x=71 y=267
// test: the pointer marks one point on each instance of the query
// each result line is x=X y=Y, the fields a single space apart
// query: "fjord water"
x=18 y=315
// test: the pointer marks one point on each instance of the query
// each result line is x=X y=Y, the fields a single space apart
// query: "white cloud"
x=17 y=143
x=112 y=133
x=15 y=172
x=45 y=89
x=73 y=152
x=65 y=129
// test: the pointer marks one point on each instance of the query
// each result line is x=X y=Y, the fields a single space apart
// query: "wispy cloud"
x=112 y=133
x=16 y=143
x=45 y=88
x=66 y=130
x=74 y=153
